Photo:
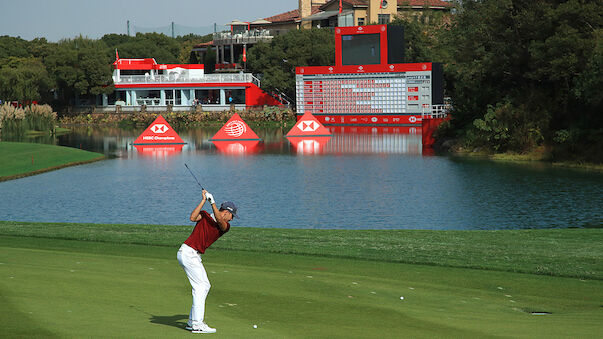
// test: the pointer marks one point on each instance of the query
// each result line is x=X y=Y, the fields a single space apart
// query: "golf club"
x=191 y=172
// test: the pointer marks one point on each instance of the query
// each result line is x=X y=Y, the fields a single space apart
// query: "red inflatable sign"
x=308 y=126
x=159 y=133
x=235 y=129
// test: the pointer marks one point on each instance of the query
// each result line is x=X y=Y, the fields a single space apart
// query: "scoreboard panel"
x=399 y=94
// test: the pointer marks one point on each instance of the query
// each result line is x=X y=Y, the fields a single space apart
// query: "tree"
x=13 y=47
x=24 y=80
x=525 y=56
x=164 y=49
x=80 y=66
x=422 y=35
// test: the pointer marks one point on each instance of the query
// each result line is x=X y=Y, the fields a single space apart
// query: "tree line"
x=56 y=73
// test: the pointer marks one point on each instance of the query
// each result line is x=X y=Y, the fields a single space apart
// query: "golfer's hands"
x=209 y=197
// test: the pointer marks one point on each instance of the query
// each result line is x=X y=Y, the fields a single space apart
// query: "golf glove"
x=209 y=197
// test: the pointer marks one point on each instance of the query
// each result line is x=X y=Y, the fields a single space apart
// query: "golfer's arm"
x=222 y=224
x=196 y=213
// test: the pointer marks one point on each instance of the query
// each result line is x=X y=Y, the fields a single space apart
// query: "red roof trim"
x=291 y=16
x=150 y=63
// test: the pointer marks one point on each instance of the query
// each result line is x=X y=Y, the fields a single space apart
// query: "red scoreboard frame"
x=361 y=30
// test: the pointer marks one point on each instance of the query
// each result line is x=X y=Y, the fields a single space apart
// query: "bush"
x=506 y=128
x=182 y=119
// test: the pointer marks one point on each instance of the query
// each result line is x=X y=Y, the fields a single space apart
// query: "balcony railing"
x=247 y=37
x=166 y=79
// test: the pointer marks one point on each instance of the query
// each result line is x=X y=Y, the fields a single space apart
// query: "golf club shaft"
x=191 y=172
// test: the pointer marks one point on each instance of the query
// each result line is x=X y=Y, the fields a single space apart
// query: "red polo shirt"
x=205 y=233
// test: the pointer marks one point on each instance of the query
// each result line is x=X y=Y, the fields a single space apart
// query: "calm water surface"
x=368 y=179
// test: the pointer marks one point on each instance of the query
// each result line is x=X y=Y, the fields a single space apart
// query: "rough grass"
x=556 y=252
x=25 y=159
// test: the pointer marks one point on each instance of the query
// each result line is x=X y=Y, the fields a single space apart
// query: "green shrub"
x=505 y=127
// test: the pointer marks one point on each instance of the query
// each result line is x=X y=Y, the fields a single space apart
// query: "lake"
x=361 y=178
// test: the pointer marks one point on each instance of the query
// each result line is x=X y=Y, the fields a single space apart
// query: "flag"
x=381 y=4
x=340 y=6
x=116 y=55
x=244 y=53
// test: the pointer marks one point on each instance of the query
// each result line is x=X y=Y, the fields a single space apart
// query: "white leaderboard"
x=405 y=93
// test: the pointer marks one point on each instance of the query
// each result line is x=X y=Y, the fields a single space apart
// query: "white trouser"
x=190 y=260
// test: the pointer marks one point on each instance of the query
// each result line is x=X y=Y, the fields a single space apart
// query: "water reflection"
x=308 y=145
x=116 y=142
x=363 y=178
x=237 y=147
x=158 y=151
x=375 y=140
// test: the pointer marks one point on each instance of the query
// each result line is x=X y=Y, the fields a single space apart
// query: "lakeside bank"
x=540 y=156
x=25 y=159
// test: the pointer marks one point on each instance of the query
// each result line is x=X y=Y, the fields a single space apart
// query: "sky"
x=64 y=19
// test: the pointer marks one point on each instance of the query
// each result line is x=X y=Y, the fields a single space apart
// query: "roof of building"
x=423 y=3
x=401 y=3
x=291 y=16
x=149 y=64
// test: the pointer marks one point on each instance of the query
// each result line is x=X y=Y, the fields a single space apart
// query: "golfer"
x=207 y=230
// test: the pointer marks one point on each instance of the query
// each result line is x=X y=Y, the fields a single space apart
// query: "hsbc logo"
x=159 y=128
x=308 y=126
x=412 y=119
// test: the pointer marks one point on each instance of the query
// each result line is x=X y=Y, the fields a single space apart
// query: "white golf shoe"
x=203 y=328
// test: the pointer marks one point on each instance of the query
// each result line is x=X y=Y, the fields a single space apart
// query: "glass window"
x=208 y=96
x=235 y=96
x=344 y=20
x=383 y=19
x=360 y=21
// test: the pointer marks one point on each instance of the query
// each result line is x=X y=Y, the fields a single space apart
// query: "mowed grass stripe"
x=25 y=159
x=69 y=288
x=557 y=252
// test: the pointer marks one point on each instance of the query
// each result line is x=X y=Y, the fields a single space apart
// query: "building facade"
x=144 y=82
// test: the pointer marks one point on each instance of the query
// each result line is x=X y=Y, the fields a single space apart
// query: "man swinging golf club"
x=207 y=230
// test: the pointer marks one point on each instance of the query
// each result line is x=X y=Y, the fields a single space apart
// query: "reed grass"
x=18 y=121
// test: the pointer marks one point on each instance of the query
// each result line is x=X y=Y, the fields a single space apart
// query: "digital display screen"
x=362 y=49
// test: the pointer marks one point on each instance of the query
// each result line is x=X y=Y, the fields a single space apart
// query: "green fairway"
x=23 y=159
x=72 y=288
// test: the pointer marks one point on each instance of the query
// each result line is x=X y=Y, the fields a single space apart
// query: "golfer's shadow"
x=178 y=320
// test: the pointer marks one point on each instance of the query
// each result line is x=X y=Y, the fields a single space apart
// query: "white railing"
x=437 y=111
x=207 y=78
x=251 y=36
